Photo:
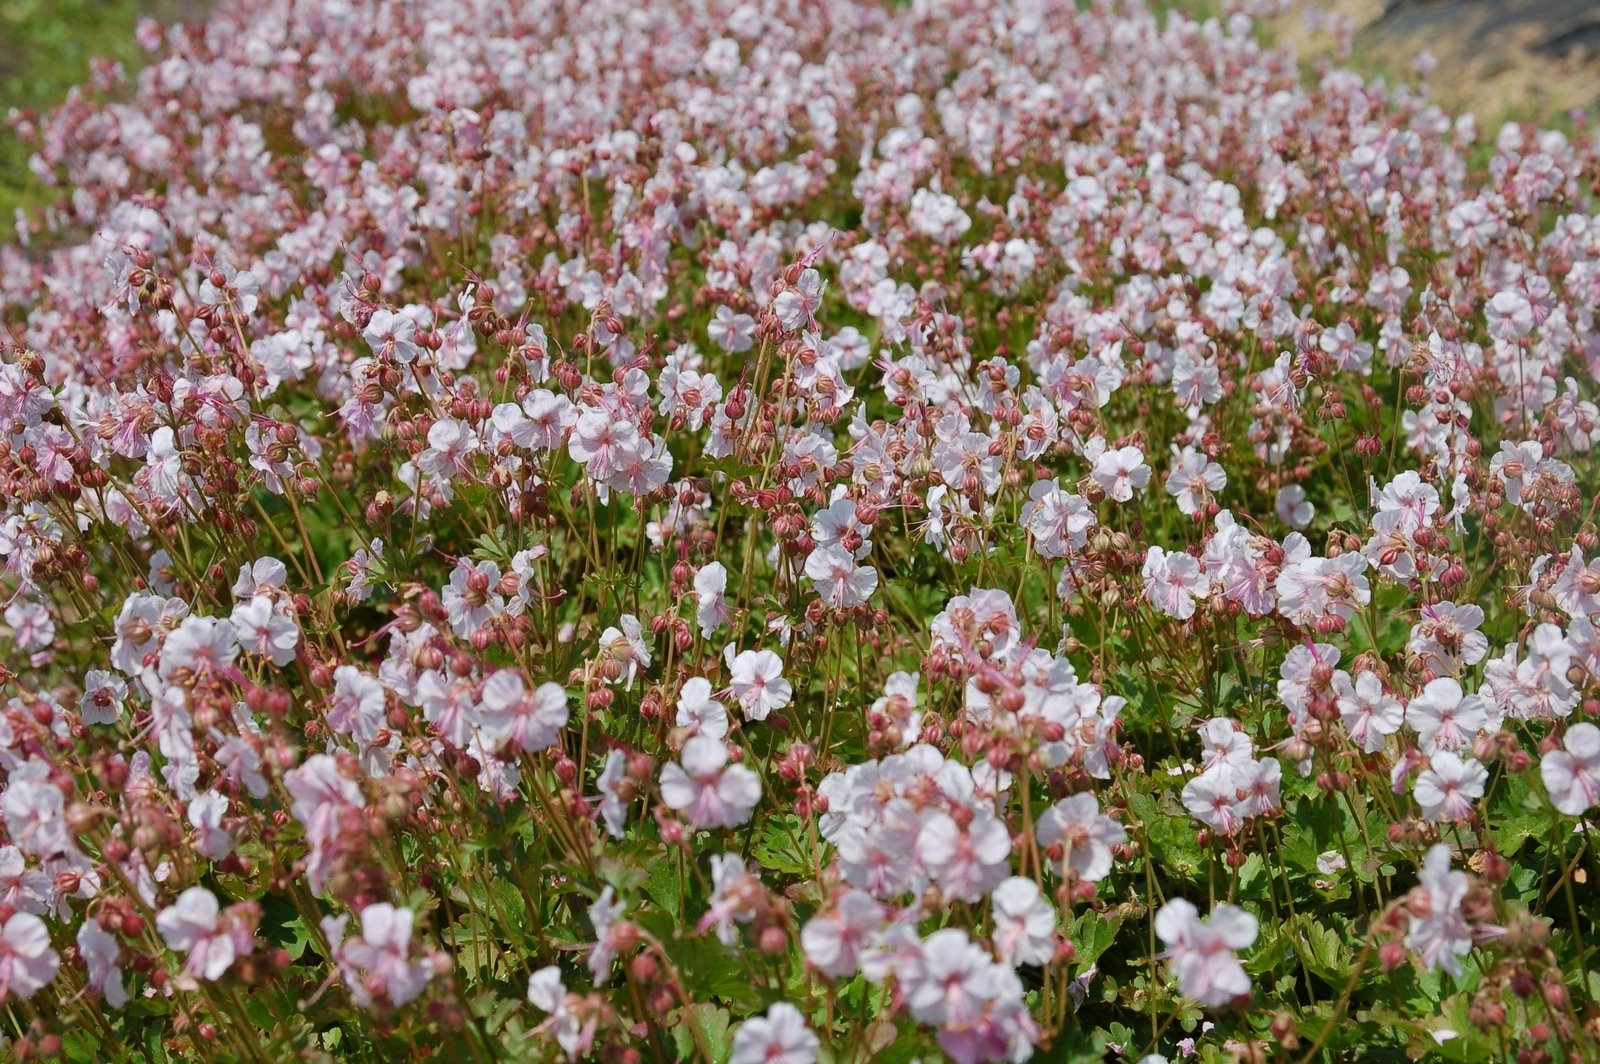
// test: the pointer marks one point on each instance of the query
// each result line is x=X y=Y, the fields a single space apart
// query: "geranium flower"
x=1438 y=931
x=711 y=609
x=1024 y=922
x=781 y=1036
x=1572 y=774
x=377 y=964
x=192 y=925
x=1084 y=834
x=1200 y=953
x=839 y=581
x=1448 y=787
x=833 y=939
x=698 y=711
x=756 y=681
x=27 y=963
x=710 y=792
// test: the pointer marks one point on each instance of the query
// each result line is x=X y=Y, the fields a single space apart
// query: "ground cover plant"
x=829 y=531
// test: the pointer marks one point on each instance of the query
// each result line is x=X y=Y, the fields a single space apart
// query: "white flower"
x=604 y=915
x=779 y=1037
x=378 y=963
x=1293 y=509
x=265 y=630
x=1448 y=787
x=1572 y=775
x=547 y=992
x=613 y=808
x=1194 y=480
x=27 y=963
x=697 y=710
x=1120 y=471
x=757 y=682
x=1438 y=930
x=1201 y=952
x=1085 y=835
x=710 y=587
x=838 y=580
x=191 y=925
x=1024 y=922
x=710 y=792
x=1173 y=581
x=103 y=693
x=834 y=939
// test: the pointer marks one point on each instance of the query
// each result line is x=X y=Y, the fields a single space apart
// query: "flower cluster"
x=779 y=533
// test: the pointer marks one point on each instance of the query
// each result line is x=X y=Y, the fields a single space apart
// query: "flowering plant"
x=751 y=532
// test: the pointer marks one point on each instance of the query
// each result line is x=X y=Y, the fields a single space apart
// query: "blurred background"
x=1525 y=60
x=1504 y=60
x=45 y=49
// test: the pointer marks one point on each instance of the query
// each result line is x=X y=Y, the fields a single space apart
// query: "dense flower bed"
x=808 y=531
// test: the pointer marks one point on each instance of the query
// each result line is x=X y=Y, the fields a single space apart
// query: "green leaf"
x=1321 y=948
x=78 y=1044
x=711 y=1024
x=777 y=848
x=662 y=885
x=709 y=969
x=1092 y=934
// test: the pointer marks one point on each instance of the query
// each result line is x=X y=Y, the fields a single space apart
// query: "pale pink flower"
x=1292 y=508
x=526 y=721
x=1024 y=923
x=1577 y=588
x=1058 y=521
x=838 y=580
x=31 y=625
x=731 y=331
x=27 y=963
x=966 y=861
x=1085 y=835
x=1572 y=774
x=265 y=630
x=1438 y=931
x=263 y=576
x=1213 y=797
x=211 y=838
x=781 y=1036
x=797 y=304
x=377 y=965
x=700 y=712
x=1445 y=719
x=757 y=682
x=1120 y=471
x=191 y=925
x=103 y=693
x=834 y=938
x=1201 y=953
x=710 y=587
x=1448 y=787
x=706 y=788
x=627 y=648
x=100 y=952
x=1370 y=714
x=547 y=992
x=604 y=914
x=1172 y=582
x=1194 y=480
x=472 y=598
x=393 y=335
x=1446 y=636
x=613 y=809
x=734 y=896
